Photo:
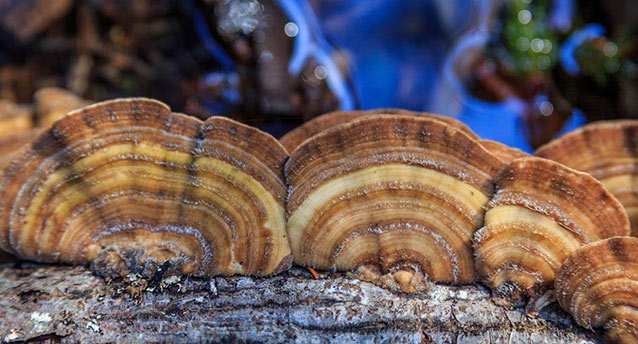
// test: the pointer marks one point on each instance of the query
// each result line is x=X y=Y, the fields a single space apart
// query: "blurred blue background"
x=403 y=53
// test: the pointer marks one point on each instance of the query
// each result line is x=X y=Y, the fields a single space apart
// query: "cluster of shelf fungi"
x=397 y=198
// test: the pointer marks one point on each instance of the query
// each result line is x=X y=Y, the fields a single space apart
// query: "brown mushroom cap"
x=126 y=185
x=540 y=213
x=598 y=285
x=389 y=194
x=503 y=152
x=11 y=143
x=608 y=151
x=318 y=124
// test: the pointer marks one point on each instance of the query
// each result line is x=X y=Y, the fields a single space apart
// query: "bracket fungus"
x=15 y=131
x=608 y=151
x=598 y=285
x=502 y=151
x=126 y=185
x=9 y=144
x=395 y=198
x=541 y=212
x=326 y=121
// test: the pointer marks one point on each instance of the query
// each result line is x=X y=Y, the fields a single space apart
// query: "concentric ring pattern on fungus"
x=396 y=198
x=598 y=285
x=326 y=121
x=608 y=151
x=502 y=151
x=541 y=212
x=126 y=185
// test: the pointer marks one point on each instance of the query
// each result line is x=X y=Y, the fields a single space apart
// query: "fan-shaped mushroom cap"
x=326 y=121
x=609 y=152
x=503 y=152
x=126 y=185
x=389 y=194
x=598 y=285
x=540 y=213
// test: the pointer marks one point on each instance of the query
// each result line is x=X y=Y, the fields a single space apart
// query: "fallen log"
x=55 y=304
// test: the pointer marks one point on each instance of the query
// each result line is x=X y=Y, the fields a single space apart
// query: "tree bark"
x=70 y=304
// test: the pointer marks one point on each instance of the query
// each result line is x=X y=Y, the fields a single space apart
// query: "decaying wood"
x=70 y=304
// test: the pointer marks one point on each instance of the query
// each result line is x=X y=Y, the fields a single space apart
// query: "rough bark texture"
x=70 y=304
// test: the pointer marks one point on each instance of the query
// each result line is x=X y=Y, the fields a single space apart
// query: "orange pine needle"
x=313 y=272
